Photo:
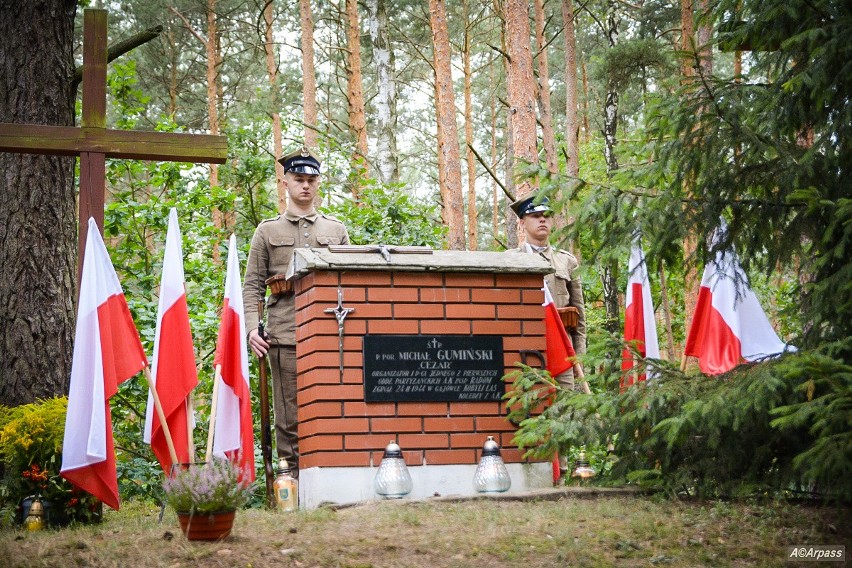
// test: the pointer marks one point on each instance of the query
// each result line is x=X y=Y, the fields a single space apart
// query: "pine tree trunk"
x=355 y=94
x=513 y=227
x=38 y=220
x=610 y=271
x=687 y=38
x=521 y=87
x=309 y=78
x=468 y=136
x=495 y=197
x=704 y=35
x=385 y=101
x=274 y=99
x=587 y=131
x=548 y=139
x=667 y=313
x=449 y=161
x=173 y=71
x=691 y=281
x=211 y=47
x=572 y=126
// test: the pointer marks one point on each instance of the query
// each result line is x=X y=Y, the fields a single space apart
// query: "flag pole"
x=190 y=443
x=213 y=407
x=683 y=362
x=582 y=376
x=158 y=406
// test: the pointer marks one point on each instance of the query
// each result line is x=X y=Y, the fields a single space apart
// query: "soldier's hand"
x=257 y=343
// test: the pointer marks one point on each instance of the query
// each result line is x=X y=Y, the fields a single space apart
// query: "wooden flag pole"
x=158 y=406
x=189 y=428
x=578 y=371
x=683 y=363
x=213 y=407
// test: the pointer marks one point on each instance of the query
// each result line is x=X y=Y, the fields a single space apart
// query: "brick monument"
x=410 y=345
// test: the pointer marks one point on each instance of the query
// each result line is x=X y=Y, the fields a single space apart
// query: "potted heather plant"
x=206 y=497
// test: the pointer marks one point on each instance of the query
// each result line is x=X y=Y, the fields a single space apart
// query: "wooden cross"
x=93 y=142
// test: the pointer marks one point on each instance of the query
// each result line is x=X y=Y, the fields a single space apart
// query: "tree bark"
x=355 y=94
x=587 y=131
x=274 y=101
x=548 y=139
x=38 y=227
x=449 y=161
x=521 y=87
x=691 y=281
x=513 y=226
x=309 y=77
x=705 y=30
x=572 y=126
x=610 y=270
x=214 y=62
x=468 y=134
x=687 y=38
x=667 y=313
x=495 y=197
x=387 y=162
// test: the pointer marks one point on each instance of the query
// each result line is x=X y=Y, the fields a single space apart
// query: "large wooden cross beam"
x=93 y=142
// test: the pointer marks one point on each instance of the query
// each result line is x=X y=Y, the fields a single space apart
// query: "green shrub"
x=775 y=428
x=31 y=449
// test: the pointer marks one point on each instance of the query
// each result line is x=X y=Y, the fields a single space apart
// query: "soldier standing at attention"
x=564 y=284
x=269 y=257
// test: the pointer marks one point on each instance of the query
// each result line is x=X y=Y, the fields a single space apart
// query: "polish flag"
x=729 y=326
x=560 y=350
x=107 y=351
x=639 y=323
x=234 y=428
x=173 y=370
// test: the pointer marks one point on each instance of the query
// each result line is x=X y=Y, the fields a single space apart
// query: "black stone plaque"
x=433 y=368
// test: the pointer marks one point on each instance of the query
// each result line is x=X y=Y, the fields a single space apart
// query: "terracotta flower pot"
x=206 y=526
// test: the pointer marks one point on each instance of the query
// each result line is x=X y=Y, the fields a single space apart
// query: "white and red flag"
x=107 y=351
x=174 y=374
x=560 y=350
x=234 y=428
x=729 y=326
x=640 y=327
x=560 y=353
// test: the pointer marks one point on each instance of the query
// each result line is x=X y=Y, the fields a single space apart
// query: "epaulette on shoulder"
x=563 y=251
x=270 y=219
x=331 y=218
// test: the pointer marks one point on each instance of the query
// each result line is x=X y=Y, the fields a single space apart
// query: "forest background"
x=430 y=117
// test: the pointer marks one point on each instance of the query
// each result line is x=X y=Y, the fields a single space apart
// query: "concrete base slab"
x=344 y=485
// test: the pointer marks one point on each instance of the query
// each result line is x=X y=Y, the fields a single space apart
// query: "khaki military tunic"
x=566 y=288
x=271 y=253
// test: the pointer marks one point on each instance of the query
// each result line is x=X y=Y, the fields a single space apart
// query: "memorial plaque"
x=421 y=368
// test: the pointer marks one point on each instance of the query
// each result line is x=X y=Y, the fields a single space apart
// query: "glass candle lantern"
x=393 y=480
x=491 y=475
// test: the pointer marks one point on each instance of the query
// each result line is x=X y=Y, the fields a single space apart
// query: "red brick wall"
x=336 y=426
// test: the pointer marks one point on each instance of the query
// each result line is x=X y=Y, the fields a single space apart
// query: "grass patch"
x=627 y=531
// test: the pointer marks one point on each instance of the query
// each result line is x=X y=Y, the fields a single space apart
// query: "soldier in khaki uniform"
x=270 y=255
x=564 y=284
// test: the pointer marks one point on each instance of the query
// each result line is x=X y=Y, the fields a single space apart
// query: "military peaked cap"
x=301 y=161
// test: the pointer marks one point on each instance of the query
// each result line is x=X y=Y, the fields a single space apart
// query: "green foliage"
x=135 y=227
x=769 y=152
x=388 y=215
x=31 y=438
x=627 y=61
x=778 y=427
